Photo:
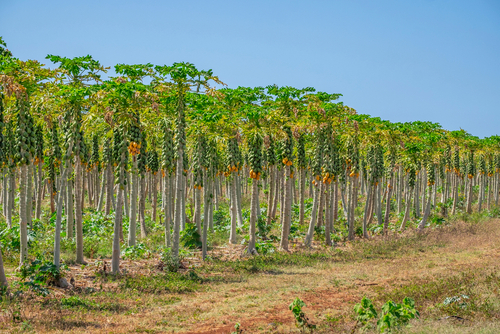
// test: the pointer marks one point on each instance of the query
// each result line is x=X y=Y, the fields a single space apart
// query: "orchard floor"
x=463 y=258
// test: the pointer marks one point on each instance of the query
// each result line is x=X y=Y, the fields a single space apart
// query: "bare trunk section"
x=426 y=212
x=302 y=192
x=38 y=212
x=314 y=216
x=270 y=197
x=388 y=204
x=133 y=204
x=285 y=231
x=142 y=205
x=166 y=208
x=69 y=202
x=232 y=194
x=369 y=202
x=328 y=223
x=78 y=211
x=253 y=217
x=178 y=202
x=23 y=231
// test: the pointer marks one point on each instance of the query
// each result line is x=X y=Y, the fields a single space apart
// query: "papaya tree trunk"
x=78 y=210
x=302 y=193
x=133 y=205
x=285 y=231
x=166 y=208
x=426 y=213
x=142 y=205
x=38 y=213
x=253 y=217
x=23 y=230
x=179 y=189
x=368 y=203
x=314 y=216
x=232 y=194
x=270 y=197
x=328 y=223
x=69 y=202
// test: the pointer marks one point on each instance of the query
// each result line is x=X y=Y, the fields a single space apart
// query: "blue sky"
x=428 y=60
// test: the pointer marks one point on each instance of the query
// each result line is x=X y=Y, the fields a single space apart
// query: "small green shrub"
x=392 y=316
x=301 y=320
x=135 y=252
x=190 y=237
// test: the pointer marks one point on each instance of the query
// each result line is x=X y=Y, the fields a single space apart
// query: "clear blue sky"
x=435 y=60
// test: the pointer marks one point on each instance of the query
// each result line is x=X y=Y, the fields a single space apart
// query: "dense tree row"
x=69 y=136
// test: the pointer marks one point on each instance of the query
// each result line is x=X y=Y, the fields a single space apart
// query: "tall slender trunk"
x=29 y=195
x=335 y=203
x=400 y=188
x=497 y=190
x=155 y=194
x=109 y=189
x=178 y=203
x=5 y=197
x=407 y=209
x=166 y=208
x=285 y=231
x=207 y=198
x=197 y=209
x=10 y=199
x=426 y=213
x=416 y=196
x=238 y=200
x=481 y=192
x=423 y=185
x=133 y=204
x=469 y=196
x=277 y=188
x=302 y=192
x=321 y=204
x=328 y=223
x=126 y=211
x=69 y=202
x=101 y=192
x=270 y=196
x=142 y=205
x=454 y=193
x=489 y=184
x=314 y=216
x=350 y=215
x=367 y=209
x=253 y=216
x=115 y=261
x=232 y=194
x=388 y=204
x=38 y=212
x=23 y=231
x=3 y=279
x=380 y=200
x=90 y=187
x=57 y=238
x=78 y=210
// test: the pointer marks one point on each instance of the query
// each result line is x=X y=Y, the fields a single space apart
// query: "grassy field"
x=456 y=260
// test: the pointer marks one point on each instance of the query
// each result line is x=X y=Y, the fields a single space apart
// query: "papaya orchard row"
x=71 y=136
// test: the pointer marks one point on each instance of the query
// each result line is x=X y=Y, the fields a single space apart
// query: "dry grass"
x=256 y=292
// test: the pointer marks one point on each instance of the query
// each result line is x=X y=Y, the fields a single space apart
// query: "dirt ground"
x=259 y=301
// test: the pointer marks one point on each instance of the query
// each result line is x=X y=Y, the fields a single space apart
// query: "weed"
x=190 y=237
x=301 y=320
x=135 y=252
x=392 y=316
x=162 y=283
